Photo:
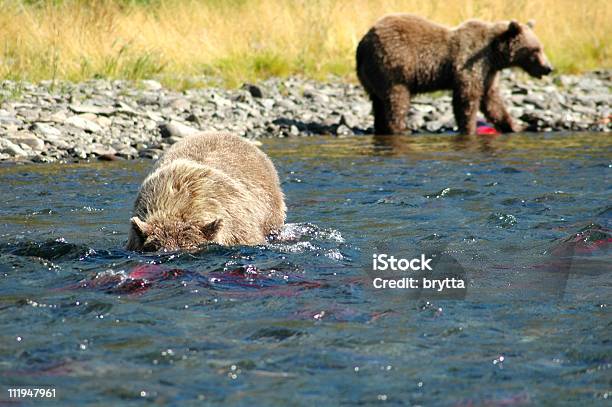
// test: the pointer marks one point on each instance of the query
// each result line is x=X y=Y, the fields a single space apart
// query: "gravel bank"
x=121 y=120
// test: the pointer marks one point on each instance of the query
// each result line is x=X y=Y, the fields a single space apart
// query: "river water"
x=526 y=220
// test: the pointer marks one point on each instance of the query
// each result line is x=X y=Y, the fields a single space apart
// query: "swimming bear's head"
x=170 y=234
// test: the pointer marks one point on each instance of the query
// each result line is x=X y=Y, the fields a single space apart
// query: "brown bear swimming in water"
x=208 y=188
x=403 y=54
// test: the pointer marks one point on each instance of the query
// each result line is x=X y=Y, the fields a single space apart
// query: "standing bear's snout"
x=545 y=67
x=548 y=69
x=542 y=70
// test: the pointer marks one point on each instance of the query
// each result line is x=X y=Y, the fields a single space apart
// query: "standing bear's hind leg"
x=380 y=121
x=398 y=104
x=390 y=112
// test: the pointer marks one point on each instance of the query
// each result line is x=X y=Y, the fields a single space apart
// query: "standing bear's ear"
x=531 y=24
x=514 y=28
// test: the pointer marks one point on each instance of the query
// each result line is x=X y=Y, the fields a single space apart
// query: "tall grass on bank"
x=244 y=40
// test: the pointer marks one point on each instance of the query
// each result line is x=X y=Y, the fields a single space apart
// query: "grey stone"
x=151 y=85
x=343 y=130
x=583 y=109
x=97 y=110
x=151 y=153
x=267 y=103
x=154 y=116
x=221 y=102
x=416 y=121
x=58 y=143
x=45 y=130
x=79 y=152
x=422 y=108
x=9 y=119
x=286 y=104
x=434 y=126
x=101 y=149
x=176 y=129
x=348 y=120
x=180 y=104
x=58 y=116
x=294 y=131
x=12 y=149
x=84 y=123
x=26 y=138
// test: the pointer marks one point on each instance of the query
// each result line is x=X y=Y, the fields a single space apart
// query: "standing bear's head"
x=520 y=47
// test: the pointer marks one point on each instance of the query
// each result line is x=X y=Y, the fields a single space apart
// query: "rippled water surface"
x=527 y=219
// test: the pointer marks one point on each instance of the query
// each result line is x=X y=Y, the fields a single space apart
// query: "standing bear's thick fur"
x=403 y=54
x=208 y=188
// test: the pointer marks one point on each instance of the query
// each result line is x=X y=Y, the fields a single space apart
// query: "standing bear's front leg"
x=492 y=105
x=466 y=100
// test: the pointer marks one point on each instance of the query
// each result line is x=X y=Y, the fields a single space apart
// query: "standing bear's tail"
x=359 y=59
x=365 y=63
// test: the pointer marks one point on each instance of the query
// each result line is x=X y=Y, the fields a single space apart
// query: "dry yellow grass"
x=243 y=40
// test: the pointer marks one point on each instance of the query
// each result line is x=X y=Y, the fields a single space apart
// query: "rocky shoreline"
x=110 y=120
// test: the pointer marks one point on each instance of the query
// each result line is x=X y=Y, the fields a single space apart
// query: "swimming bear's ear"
x=209 y=230
x=531 y=24
x=140 y=227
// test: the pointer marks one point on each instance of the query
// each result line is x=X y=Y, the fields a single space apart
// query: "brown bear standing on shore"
x=403 y=54
x=208 y=188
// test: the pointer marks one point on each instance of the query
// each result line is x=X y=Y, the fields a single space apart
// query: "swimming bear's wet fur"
x=208 y=188
x=403 y=54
